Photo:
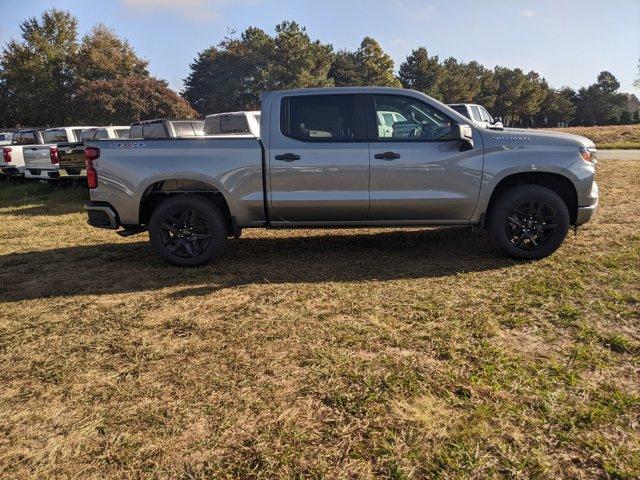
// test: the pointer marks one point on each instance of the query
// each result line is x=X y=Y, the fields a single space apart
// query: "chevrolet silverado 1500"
x=477 y=113
x=71 y=155
x=13 y=155
x=233 y=123
x=42 y=161
x=322 y=161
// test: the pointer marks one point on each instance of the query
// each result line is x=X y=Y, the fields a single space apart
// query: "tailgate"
x=71 y=157
x=37 y=156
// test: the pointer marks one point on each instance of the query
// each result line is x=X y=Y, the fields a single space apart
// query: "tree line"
x=50 y=77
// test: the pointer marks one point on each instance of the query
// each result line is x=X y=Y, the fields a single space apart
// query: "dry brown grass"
x=610 y=136
x=325 y=354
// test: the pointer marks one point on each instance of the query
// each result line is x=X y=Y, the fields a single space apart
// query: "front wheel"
x=528 y=222
x=187 y=231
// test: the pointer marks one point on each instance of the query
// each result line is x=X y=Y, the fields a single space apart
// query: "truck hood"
x=537 y=137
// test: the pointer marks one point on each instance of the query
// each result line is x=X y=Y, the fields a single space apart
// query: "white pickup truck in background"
x=12 y=162
x=166 y=128
x=233 y=123
x=71 y=155
x=5 y=138
x=42 y=161
x=477 y=113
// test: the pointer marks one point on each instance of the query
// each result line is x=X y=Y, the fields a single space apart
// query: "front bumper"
x=102 y=215
x=587 y=212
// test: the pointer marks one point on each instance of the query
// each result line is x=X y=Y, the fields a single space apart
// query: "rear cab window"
x=323 y=118
x=88 y=135
x=55 y=136
x=24 y=138
x=154 y=130
x=135 y=131
x=121 y=132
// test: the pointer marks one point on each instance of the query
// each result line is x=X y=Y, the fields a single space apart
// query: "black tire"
x=187 y=231
x=528 y=222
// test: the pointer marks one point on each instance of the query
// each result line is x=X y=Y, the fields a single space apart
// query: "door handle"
x=387 y=156
x=287 y=157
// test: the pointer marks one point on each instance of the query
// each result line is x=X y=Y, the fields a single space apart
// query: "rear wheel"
x=528 y=222
x=187 y=231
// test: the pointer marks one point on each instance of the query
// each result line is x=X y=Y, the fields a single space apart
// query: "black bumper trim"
x=102 y=215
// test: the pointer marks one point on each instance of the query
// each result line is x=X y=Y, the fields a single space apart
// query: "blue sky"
x=567 y=41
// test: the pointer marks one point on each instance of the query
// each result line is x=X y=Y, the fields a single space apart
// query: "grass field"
x=415 y=353
x=612 y=137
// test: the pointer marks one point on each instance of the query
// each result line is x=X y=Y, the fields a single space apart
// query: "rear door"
x=417 y=170
x=318 y=158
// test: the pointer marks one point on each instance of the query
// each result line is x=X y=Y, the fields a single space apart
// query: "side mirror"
x=497 y=123
x=463 y=133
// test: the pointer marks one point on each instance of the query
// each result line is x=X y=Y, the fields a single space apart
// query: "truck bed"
x=229 y=165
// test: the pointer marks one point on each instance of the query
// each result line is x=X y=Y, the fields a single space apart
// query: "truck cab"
x=477 y=114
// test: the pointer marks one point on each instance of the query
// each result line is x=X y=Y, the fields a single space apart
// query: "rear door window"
x=329 y=118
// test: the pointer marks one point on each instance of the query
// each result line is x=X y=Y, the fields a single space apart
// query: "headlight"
x=588 y=154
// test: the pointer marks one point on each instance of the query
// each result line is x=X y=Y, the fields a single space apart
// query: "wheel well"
x=156 y=193
x=553 y=181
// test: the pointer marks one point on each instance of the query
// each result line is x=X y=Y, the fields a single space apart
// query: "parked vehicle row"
x=55 y=153
x=332 y=157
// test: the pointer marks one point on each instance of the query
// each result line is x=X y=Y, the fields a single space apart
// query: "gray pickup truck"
x=322 y=161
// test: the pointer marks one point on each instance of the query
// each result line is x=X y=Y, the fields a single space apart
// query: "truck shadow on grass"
x=295 y=258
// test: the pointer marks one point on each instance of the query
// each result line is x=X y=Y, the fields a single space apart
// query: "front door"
x=319 y=159
x=418 y=172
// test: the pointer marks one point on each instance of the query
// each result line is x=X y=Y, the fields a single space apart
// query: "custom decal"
x=129 y=145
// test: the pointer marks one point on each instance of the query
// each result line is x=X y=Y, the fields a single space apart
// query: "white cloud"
x=197 y=10
x=528 y=13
